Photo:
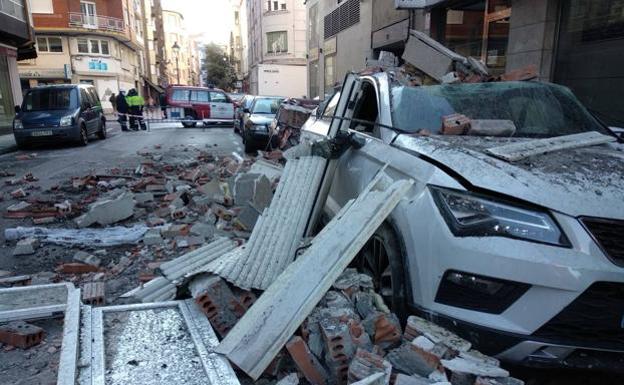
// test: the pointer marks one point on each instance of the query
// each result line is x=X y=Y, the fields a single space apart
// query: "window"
x=83 y=46
x=49 y=44
x=277 y=42
x=13 y=8
x=42 y=6
x=236 y=18
x=181 y=95
x=199 y=96
x=95 y=46
x=104 y=47
x=49 y=99
x=88 y=13
x=330 y=77
x=273 y=5
x=84 y=97
x=218 y=97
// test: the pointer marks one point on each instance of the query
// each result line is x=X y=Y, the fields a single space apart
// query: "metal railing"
x=104 y=23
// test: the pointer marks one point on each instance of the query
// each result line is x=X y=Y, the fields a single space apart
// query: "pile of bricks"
x=352 y=338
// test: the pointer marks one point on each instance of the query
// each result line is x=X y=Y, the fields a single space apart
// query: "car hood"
x=587 y=181
x=261 y=118
x=43 y=118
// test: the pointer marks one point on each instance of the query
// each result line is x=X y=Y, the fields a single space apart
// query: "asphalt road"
x=55 y=163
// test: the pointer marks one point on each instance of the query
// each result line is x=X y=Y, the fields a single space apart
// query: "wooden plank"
x=518 y=151
x=266 y=327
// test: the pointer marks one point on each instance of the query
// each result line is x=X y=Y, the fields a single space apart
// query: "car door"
x=200 y=100
x=86 y=110
x=96 y=107
x=221 y=107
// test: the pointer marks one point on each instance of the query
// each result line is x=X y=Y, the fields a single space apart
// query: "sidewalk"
x=7 y=144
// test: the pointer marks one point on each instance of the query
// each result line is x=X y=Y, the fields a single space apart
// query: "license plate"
x=41 y=133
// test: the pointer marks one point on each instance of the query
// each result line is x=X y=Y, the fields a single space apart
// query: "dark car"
x=68 y=112
x=256 y=133
x=240 y=115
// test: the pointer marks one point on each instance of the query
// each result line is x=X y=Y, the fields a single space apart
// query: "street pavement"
x=55 y=163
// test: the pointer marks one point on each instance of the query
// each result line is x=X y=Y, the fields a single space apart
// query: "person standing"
x=135 y=108
x=113 y=101
x=122 y=110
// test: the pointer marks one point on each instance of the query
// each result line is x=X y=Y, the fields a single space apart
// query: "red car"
x=191 y=104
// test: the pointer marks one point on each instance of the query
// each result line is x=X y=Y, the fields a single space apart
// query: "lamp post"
x=176 y=53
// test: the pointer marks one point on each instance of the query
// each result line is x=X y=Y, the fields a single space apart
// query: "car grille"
x=610 y=236
x=594 y=319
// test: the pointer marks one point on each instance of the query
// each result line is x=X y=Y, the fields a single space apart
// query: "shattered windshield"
x=531 y=109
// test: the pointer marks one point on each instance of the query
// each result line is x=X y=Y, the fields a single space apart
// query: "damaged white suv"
x=520 y=249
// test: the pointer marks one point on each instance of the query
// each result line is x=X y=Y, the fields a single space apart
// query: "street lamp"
x=176 y=53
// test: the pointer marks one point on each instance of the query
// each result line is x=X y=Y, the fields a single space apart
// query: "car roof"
x=178 y=86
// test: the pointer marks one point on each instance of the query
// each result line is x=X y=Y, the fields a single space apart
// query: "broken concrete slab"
x=152 y=237
x=187 y=358
x=89 y=259
x=253 y=189
x=417 y=326
x=266 y=327
x=462 y=365
x=203 y=230
x=108 y=211
x=26 y=246
x=271 y=170
x=106 y=237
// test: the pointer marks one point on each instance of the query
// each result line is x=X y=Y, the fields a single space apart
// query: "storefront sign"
x=416 y=4
x=330 y=46
x=53 y=73
x=314 y=54
x=98 y=65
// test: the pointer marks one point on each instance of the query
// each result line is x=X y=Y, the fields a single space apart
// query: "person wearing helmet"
x=135 y=107
x=122 y=110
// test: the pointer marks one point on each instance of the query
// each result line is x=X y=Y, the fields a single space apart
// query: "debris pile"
x=292 y=114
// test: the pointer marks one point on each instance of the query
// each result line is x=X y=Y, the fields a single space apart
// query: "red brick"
x=20 y=334
x=387 y=331
x=220 y=305
x=307 y=363
x=365 y=364
x=77 y=268
x=455 y=124
x=93 y=293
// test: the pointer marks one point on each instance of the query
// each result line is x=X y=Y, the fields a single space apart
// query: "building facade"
x=237 y=50
x=576 y=43
x=178 y=49
x=16 y=44
x=277 y=47
x=94 y=42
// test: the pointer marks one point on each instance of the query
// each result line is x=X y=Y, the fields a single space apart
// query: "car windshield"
x=266 y=105
x=537 y=110
x=50 y=99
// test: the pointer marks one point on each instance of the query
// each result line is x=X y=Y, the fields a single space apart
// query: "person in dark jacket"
x=113 y=101
x=122 y=110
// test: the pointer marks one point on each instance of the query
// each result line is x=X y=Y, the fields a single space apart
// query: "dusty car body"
x=525 y=259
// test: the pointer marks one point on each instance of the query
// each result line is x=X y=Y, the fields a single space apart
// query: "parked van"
x=190 y=104
x=59 y=113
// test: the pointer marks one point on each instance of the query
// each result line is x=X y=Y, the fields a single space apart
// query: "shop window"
x=277 y=42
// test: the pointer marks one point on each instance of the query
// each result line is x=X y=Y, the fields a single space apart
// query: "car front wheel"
x=83 y=140
x=382 y=259
x=102 y=131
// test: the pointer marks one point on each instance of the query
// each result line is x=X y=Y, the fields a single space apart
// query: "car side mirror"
x=18 y=109
x=246 y=110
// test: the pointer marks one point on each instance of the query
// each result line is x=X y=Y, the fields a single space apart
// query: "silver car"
x=524 y=258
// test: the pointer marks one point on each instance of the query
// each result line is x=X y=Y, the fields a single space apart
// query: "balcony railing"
x=104 y=23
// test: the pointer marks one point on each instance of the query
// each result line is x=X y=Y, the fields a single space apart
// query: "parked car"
x=261 y=112
x=523 y=258
x=68 y=112
x=192 y=104
x=240 y=115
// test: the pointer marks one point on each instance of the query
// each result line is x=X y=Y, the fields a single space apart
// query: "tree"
x=219 y=70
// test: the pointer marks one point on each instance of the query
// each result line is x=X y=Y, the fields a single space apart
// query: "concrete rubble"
x=209 y=247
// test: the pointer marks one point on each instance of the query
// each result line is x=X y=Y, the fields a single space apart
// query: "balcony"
x=100 y=23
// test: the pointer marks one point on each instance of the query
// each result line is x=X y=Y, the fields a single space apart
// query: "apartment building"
x=277 y=47
x=97 y=42
x=180 y=51
x=16 y=44
x=237 y=50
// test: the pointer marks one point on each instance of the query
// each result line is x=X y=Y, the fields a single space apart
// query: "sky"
x=211 y=18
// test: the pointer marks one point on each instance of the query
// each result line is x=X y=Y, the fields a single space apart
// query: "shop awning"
x=155 y=86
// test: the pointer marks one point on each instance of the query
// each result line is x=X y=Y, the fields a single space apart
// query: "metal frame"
x=216 y=367
x=36 y=312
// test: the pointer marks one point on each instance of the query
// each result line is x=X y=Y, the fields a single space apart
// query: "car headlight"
x=17 y=124
x=66 y=121
x=469 y=214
